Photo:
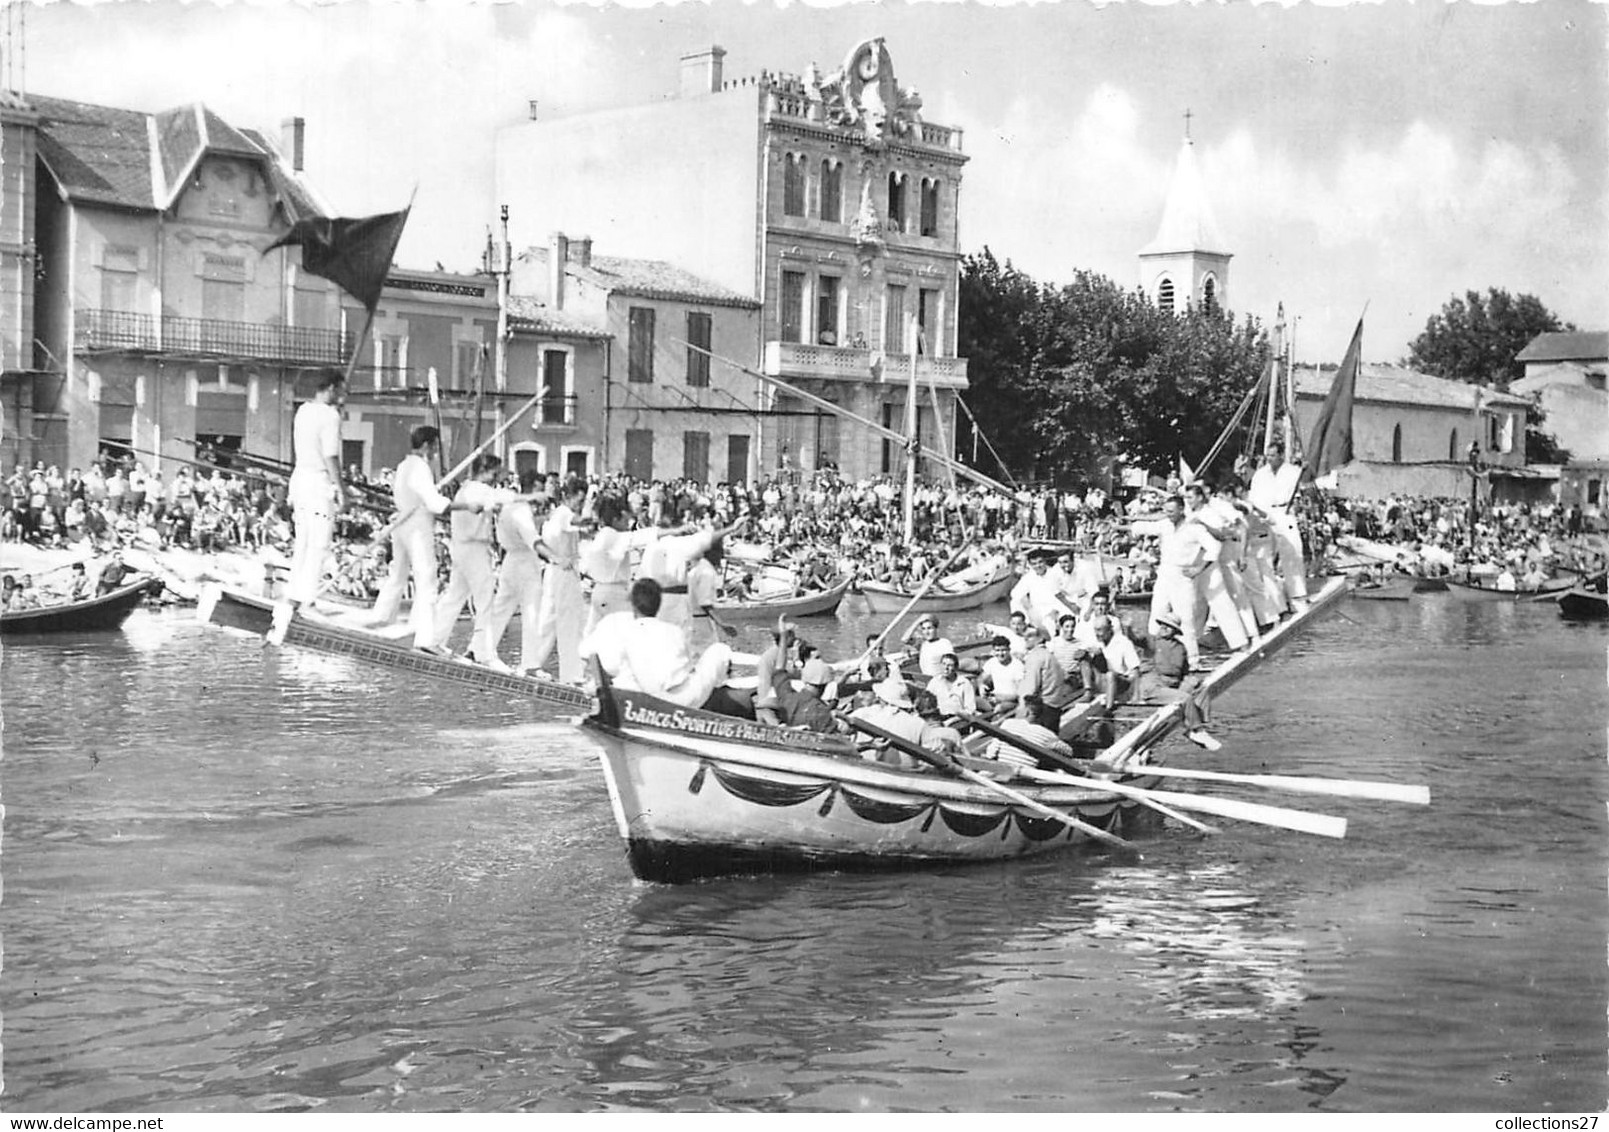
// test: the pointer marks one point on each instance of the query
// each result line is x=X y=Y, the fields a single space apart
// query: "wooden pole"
x=932 y=580
x=911 y=442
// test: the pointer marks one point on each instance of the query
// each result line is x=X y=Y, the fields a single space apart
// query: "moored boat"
x=1583 y=603
x=107 y=611
x=813 y=604
x=1478 y=591
x=952 y=595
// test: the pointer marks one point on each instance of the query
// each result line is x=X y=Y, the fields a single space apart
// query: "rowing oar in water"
x=950 y=765
x=1134 y=792
x=1302 y=821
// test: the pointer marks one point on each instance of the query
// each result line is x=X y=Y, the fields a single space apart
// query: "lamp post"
x=1474 y=488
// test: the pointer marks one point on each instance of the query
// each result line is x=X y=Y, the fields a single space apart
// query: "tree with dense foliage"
x=1063 y=380
x=1476 y=338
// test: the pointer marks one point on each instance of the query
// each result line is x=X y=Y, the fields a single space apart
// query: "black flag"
x=353 y=254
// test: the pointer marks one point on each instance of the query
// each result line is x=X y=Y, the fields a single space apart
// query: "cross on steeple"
x=1187 y=117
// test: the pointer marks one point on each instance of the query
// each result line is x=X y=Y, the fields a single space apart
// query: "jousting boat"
x=696 y=794
x=1479 y=591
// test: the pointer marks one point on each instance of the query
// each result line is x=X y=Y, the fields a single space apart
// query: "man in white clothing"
x=413 y=539
x=607 y=558
x=519 y=580
x=474 y=571
x=1219 y=586
x=641 y=652
x=315 y=494
x=1037 y=595
x=1273 y=492
x=667 y=561
x=1186 y=550
x=563 y=608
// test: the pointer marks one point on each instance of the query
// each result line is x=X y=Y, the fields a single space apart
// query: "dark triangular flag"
x=1330 y=446
x=353 y=254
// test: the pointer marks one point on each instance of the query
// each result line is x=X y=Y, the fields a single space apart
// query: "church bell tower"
x=1186 y=265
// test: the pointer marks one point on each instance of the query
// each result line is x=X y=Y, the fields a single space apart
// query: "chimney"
x=701 y=71
x=558 y=256
x=293 y=136
x=581 y=252
x=530 y=109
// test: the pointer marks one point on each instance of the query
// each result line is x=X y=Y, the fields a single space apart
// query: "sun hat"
x=893 y=692
x=1171 y=621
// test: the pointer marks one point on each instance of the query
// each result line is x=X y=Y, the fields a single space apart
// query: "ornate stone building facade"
x=825 y=197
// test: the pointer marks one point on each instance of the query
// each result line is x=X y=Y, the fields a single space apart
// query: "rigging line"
x=977 y=428
x=1223 y=437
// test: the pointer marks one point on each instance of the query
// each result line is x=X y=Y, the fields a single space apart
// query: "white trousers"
x=473 y=581
x=1263 y=586
x=559 y=623
x=315 y=534
x=519 y=588
x=1221 y=588
x=1176 y=594
x=709 y=672
x=413 y=557
x=1292 y=563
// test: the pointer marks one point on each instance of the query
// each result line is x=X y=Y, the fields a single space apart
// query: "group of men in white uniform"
x=547 y=550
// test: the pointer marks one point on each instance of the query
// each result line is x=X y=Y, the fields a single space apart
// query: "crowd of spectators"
x=822 y=525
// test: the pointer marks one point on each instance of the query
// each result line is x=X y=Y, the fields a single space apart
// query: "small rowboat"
x=1398 y=588
x=108 y=611
x=1476 y=591
x=819 y=603
x=884 y=598
x=1583 y=604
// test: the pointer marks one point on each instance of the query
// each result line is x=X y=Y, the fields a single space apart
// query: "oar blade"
x=1301 y=821
x=1334 y=787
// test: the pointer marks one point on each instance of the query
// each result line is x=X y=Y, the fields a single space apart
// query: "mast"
x=1274 y=382
x=501 y=346
x=910 y=437
x=1290 y=393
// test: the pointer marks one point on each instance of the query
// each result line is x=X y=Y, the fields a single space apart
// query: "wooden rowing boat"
x=1397 y=588
x=1583 y=604
x=821 y=603
x=1475 y=591
x=696 y=795
x=94 y=614
x=884 y=598
x=233 y=609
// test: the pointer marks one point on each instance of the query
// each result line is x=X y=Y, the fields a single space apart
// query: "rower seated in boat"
x=888 y=706
x=641 y=653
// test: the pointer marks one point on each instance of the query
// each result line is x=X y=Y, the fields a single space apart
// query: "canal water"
x=239 y=878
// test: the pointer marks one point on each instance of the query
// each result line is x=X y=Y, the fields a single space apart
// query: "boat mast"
x=504 y=266
x=910 y=436
x=1290 y=393
x=1274 y=384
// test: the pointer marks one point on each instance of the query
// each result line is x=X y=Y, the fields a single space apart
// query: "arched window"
x=896 y=202
x=832 y=191
x=1209 y=295
x=930 y=207
x=1164 y=296
x=793 y=185
x=1452 y=447
x=1396 y=444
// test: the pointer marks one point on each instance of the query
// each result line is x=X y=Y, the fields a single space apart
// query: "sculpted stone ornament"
x=864 y=93
x=865 y=227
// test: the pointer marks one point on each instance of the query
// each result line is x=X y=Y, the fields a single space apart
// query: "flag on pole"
x=1186 y=473
x=1330 y=445
x=355 y=255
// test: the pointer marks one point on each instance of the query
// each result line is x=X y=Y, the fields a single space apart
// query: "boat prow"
x=106 y=611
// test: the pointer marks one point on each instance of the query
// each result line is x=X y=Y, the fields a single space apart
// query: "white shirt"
x=1121 y=656
x=1186 y=547
x=931 y=653
x=667 y=560
x=414 y=490
x=315 y=439
x=476 y=526
x=955 y=695
x=1271 y=490
x=1006 y=678
x=703 y=585
x=641 y=654
x=607 y=558
x=516 y=528
x=562 y=537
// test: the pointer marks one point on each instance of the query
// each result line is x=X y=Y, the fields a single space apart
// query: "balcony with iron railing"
x=859 y=363
x=103 y=331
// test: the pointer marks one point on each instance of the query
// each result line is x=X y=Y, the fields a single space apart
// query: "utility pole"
x=500 y=355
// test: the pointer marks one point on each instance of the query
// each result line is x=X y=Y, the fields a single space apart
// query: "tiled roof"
x=102 y=154
x=1560 y=373
x=99 y=154
x=529 y=315
x=651 y=279
x=1396 y=385
x=1567 y=346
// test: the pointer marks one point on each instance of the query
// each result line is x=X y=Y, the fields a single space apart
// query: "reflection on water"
x=246 y=878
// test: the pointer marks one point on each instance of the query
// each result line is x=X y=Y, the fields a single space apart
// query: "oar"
x=944 y=762
x=932 y=580
x=1336 y=787
x=1137 y=793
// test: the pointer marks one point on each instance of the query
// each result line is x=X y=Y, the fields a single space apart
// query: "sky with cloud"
x=1388 y=155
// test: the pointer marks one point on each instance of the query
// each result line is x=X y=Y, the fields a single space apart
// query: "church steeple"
x=1187 y=264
